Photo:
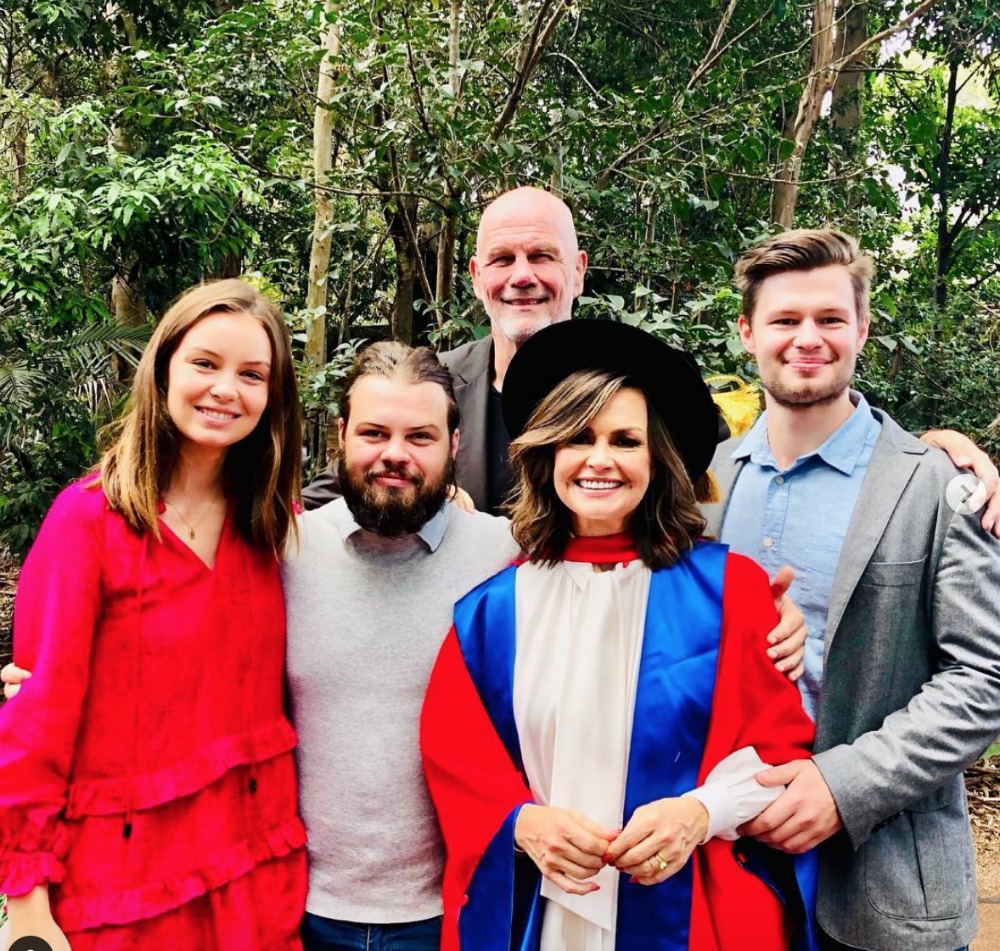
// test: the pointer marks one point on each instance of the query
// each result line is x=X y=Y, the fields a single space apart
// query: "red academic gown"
x=472 y=760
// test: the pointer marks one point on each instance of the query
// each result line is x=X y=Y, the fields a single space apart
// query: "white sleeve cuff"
x=731 y=794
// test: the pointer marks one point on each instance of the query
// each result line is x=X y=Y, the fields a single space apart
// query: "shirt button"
x=253 y=785
x=768 y=542
x=780 y=480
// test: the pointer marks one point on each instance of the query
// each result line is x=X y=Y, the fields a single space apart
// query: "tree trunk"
x=445 y=279
x=445 y=285
x=127 y=302
x=19 y=149
x=406 y=272
x=128 y=308
x=945 y=234
x=845 y=108
x=799 y=131
x=319 y=255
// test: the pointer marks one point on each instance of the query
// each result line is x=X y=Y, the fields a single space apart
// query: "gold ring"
x=660 y=862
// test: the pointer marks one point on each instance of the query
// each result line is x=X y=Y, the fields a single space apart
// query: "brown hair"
x=666 y=522
x=804 y=249
x=260 y=473
x=395 y=360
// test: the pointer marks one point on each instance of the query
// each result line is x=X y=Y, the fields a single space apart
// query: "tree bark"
x=127 y=302
x=945 y=233
x=445 y=279
x=128 y=308
x=845 y=110
x=319 y=256
x=406 y=269
x=799 y=131
x=319 y=253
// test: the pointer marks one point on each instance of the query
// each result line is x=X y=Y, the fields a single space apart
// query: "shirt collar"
x=841 y=450
x=431 y=533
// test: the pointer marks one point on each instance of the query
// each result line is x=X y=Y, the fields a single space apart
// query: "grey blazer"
x=910 y=697
x=471 y=366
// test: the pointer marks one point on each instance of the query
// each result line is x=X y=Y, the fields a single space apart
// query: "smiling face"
x=602 y=473
x=217 y=381
x=527 y=269
x=806 y=336
x=396 y=454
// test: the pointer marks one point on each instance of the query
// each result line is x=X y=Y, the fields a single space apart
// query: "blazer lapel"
x=889 y=471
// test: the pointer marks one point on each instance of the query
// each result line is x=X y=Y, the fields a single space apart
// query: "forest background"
x=339 y=153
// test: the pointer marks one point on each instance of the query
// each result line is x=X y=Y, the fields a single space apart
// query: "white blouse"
x=579 y=642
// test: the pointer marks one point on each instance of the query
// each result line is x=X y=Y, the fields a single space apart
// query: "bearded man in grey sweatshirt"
x=369 y=594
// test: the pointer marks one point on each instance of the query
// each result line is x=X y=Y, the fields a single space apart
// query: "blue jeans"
x=325 y=934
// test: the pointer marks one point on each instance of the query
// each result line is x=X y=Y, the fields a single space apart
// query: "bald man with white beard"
x=527 y=271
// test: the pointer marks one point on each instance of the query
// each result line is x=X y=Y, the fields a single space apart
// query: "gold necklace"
x=191 y=528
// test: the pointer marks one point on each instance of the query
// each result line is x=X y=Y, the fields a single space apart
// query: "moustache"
x=394 y=472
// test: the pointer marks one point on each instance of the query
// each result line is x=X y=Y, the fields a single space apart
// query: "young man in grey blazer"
x=898 y=581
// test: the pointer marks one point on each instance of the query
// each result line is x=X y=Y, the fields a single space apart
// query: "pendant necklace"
x=191 y=528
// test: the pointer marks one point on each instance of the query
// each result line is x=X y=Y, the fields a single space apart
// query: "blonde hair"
x=666 y=522
x=805 y=249
x=261 y=472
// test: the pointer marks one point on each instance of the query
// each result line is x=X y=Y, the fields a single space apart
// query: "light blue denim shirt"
x=799 y=517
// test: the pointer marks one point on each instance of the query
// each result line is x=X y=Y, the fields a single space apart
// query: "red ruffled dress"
x=146 y=769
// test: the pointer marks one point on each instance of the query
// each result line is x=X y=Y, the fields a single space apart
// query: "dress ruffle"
x=113 y=796
x=32 y=845
x=155 y=898
x=22 y=871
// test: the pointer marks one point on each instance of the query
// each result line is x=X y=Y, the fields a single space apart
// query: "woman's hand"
x=12 y=678
x=788 y=639
x=461 y=498
x=567 y=847
x=29 y=916
x=659 y=839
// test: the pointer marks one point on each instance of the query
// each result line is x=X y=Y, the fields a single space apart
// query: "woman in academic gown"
x=598 y=712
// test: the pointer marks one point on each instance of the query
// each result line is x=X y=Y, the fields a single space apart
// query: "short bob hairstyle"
x=261 y=472
x=666 y=522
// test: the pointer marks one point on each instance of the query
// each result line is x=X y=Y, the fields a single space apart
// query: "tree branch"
x=417 y=95
x=531 y=53
x=411 y=233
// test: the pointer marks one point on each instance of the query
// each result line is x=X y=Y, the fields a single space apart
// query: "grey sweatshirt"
x=366 y=617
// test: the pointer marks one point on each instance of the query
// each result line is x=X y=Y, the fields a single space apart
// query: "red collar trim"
x=602 y=549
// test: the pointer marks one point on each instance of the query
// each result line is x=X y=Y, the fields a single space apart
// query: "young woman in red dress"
x=147 y=788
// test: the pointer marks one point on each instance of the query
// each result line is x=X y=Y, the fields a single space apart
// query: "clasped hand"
x=569 y=848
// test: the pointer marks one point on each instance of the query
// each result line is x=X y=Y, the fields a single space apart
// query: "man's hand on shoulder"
x=804 y=815
x=461 y=498
x=965 y=454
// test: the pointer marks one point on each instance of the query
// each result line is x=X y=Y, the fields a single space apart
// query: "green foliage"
x=150 y=145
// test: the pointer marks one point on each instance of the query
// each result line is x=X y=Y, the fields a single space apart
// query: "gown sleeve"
x=474 y=784
x=56 y=610
x=755 y=704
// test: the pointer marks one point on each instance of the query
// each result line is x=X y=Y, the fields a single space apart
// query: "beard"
x=805 y=393
x=389 y=511
x=518 y=332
